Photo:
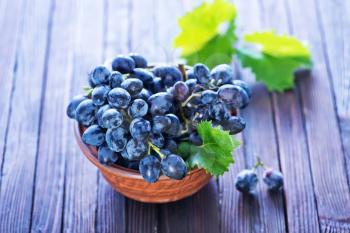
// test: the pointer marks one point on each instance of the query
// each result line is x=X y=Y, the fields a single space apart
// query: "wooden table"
x=46 y=185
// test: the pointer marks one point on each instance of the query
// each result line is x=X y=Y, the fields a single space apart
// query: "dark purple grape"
x=157 y=85
x=138 y=108
x=116 y=139
x=160 y=124
x=99 y=95
x=171 y=145
x=174 y=167
x=175 y=126
x=144 y=94
x=106 y=156
x=246 y=181
x=190 y=74
x=234 y=124
x=222 y=74
x=135 y=149
x=94 y=136
x=202 y=73
x=99 y=114
x=219 y=112
x=244 y=85
x=169 y=74
x=150 y=168
x=115 y=79
x=180 y=91
x=119 y=98
x=140 y=61
x=140 y=128
x=123 y=64
x=99 y=76
x=273 y=179
x=73 y=104
x=157 y=140
x=112 y=118
x=160 y=103
x=132 y=85
x=85 y=112
x=233 y=95
x=144 y=75
x=209 y=97
x=191 y=83
x=195 y=139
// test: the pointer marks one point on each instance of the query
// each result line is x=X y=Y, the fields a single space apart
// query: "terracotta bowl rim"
x=115 y=169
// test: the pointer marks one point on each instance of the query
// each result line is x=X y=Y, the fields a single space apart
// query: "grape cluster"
x=137 y=114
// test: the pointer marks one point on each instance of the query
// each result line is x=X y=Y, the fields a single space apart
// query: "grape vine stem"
x=197 y=94
x=156 y=149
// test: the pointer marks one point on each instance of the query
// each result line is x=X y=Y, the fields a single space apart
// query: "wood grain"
x=24 y=118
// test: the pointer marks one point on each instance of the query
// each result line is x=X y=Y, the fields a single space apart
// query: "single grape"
x=233 y=95
x=175 y=126
x=116 y=139
x=171 y=145
x=180 y=91
x=123 y=64
x=160 y=124
x=202 y=113
x=191 y=84
x=150 y=168
x=138 y=108
x=219 y=112
x=235 y=124
x=73 y=104
x=244 y=85
x=135 y=149
x=140 y=128
x=140 y=61
x=202 y=73
x=195 y=139
x=157 y=140
x=99 y=76
x=106 y=156
x=144 y=75
x=273 y=179
x=85 y=112
x=112 y=118
x=174 y=166
x=99 y=114
x=94 y=136
x=99 y=95
x=160 y=103
x=115 y=79
x=169 y=74
x=119 y=98
x=190 y=74
x=144 y=94
x=246 y=181
x=157 y=85
x=132 y=85
x=209 y=97
x=222 y=74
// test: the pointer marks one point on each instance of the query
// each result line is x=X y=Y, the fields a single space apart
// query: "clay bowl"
x=131 y=184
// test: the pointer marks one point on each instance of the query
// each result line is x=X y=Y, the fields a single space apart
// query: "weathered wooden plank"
x=336 y=29
x=16 y=192
x=326 y=155
x=301 y=208
x=9 y=12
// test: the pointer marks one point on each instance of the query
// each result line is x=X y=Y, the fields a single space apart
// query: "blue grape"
x=180 y=91
x=144 y=94
x=173 y=166
x=99 y=114
x=157 y=140
x=138 y=108
x=106 y=156
x=115 y=79
x=273 y=179
x=123 y=64
x=140 y=128
x=246 y=181
x=132 y=85
x=99 y=76
x=85 y=112
x=195 y=139
x=190 y=74
x=222 y=74
x=165 y=152
x=157 y=85
x=202 y=73
x=144 y=75
x=160 y=124
x=112 y=118
x=116 y=139
x=160 y=103
x=233 y=95
x=150 y=168
x=73 y=104
x=135 y=149
x=175 y=126
x=169 y=74
x=244 y=85
x=119 y=98
x=234 y=124
x=191 y=84
x=140 y=61
x=209 y=97
x=94 y=136
x=99 y=95
x=219 y=112
x=171 y=145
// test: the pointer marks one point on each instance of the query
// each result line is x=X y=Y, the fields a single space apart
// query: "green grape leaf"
x=202 y=25
x=274 y=58
x=215 y=154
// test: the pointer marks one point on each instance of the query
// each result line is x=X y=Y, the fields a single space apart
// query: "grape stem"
x=258 y=164
x=197 y=94
x=156 y=149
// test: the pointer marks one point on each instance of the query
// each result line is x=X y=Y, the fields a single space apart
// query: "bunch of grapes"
x=136 y=114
